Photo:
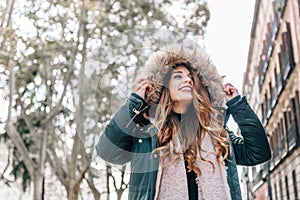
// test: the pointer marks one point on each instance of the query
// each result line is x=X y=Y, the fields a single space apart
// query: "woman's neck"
x=180 y=107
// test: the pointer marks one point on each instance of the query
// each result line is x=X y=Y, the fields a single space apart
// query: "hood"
x=160 y=62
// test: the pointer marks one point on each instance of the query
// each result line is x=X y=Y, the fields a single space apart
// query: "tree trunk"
x=39 y=174
x=119 y=194
x=37 y=187
x=73 y=191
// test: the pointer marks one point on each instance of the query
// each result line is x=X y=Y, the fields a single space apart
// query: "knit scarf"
x=212 y=184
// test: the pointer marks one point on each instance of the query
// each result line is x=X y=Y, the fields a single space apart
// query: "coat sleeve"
x=253 y=147
x=115 y=143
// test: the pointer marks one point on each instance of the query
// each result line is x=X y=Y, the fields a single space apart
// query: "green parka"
x=125 y=140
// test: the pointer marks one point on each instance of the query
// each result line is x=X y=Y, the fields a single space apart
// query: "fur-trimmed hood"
x=159 y=63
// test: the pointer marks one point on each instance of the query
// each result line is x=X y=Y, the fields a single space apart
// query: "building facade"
x=272 y=86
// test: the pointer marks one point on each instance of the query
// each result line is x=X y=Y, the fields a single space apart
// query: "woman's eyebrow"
x=179 y=72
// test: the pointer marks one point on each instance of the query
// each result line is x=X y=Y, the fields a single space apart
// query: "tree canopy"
x=65 y=67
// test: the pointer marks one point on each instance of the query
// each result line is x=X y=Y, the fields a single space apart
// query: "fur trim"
x=159 y=64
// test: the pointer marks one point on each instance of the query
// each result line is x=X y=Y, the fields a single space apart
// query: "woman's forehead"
x=181 y=69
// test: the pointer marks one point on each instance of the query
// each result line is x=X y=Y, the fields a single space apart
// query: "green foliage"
x=19 y=170
x=4 y=137
x=26 y=75
x=21 y=127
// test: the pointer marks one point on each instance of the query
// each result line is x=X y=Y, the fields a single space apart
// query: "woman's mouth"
x=186 y=88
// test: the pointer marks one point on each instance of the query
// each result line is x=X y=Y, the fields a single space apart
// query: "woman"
x=172 y=131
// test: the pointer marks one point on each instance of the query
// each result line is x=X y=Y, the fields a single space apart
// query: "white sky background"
x=228 y=37
x=227 y=41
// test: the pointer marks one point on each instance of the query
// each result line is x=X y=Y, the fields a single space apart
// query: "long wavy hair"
x=201 y=119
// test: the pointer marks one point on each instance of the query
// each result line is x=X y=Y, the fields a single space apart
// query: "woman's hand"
x=140 y=86
x=230 y=91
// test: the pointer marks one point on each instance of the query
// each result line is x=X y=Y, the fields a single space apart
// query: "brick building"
x=272 y=85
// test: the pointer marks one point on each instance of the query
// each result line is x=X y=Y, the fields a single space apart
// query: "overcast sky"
x=228 y=36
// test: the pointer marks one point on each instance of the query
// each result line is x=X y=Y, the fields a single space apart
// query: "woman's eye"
x=177 y=76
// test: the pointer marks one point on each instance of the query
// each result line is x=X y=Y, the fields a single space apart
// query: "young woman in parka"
x=172 y=130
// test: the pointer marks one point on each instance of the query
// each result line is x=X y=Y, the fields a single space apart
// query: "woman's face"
x=181 y=87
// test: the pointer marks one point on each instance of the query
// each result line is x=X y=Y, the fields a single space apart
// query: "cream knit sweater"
x=212 y=184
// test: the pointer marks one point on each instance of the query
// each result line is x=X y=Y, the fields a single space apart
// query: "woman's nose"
x=189 y=80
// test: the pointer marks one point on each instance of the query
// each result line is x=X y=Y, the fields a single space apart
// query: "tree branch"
x=12 y=131
x=91 y=184
x=56 y=166
x=59 y=106
x=24 y=116
x=82 y=175
x=6 y=166
x=122 y=176
x=114 y=181
x=18 y=142
x=10 y=6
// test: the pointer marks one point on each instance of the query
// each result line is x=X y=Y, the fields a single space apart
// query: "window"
x=275 y=191
x=276 y=84
x=295 y=184
x=268 y=107
x=287 y=117
x=272 y=94
x=281 y=135
x=263 y=112
x=275 y=76
x=297 y=115
x=262 y=69
x=287 y=188
x=275 y=147
x=289 y=44
x=272 y=141
x=279 y=7
x=285 y=65
x=281 y=66
x=280 y=189
x=275 y=23
x=292 y=129
x=269 y=45
x=286 y=56
x=278 y=78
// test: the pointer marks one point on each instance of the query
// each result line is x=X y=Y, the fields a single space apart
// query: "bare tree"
x=65 y=76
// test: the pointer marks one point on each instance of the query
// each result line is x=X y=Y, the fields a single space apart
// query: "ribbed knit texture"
x=212 y=185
